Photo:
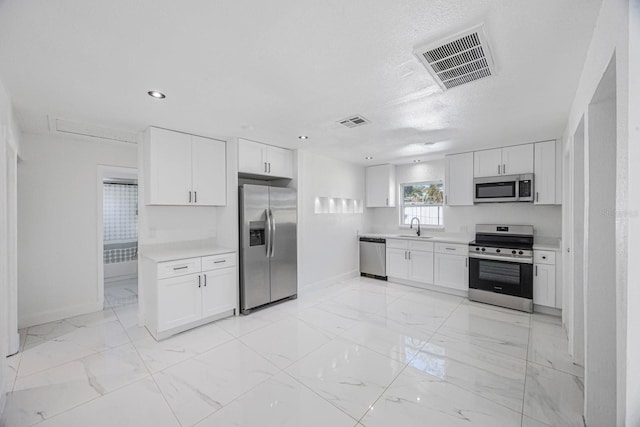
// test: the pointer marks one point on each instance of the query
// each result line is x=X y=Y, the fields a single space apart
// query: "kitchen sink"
x=413 y=236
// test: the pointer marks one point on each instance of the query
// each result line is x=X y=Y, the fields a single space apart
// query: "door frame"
x=106 y=171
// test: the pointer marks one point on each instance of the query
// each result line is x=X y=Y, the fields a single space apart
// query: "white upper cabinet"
x=545 y=173
x=381 y=186
x=208 y=171
x=182 y=169
x=513 y=160
x=458 y=185
x=487 y=163
x=517 y=159
x=255 y=158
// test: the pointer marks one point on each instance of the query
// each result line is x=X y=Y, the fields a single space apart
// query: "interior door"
x=254 y=235
x=284 y=271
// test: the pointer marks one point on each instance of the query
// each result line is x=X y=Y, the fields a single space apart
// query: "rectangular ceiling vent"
x=85 y=129
x=354 y=121
x=458 y=59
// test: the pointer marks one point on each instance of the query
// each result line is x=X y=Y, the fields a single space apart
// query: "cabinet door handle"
x=269 y=167
x=205 y=280
x=386 y=202
x=504 y=169
x=536 y=270
x=189 y=196
x=536 y=196
x=466 y=262
x=409 y=255
x=498 y=169
x=544 y=257
x=195 y=197
x=450 y=249
x=199 y=285
x=265 y=167
x=446 y=200
x=218 y=262
x=405 y=254
x=180 y=268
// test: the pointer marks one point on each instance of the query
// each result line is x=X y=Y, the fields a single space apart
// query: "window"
x=422 y=200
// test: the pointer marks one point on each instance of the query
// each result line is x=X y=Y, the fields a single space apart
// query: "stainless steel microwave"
x=505 y=188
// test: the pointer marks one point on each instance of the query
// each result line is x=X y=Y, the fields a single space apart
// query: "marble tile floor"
x=354 y=353
x=120 y=293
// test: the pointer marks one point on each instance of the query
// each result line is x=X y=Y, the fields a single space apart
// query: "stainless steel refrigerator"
x=268 y=247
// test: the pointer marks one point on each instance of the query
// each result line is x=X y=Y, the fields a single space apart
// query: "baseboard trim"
x=428 y=287
x=59 y=314
x=543 y=309
x=337 y=278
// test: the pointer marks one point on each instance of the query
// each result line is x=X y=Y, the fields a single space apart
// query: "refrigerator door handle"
x=273 y=233
x=269 y=237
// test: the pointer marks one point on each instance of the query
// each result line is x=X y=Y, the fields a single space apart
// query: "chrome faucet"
x=411 y=226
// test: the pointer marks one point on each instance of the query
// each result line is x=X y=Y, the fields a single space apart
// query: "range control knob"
x=477 y=249
x=520 y=253
x=497 y=251
x=483 y=249
x=513 y=252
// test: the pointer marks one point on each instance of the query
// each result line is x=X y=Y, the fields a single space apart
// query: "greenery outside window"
x=422 y=200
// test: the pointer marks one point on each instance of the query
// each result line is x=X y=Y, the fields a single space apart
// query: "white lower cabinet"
x=219 y=291
x=178 y=301
x=186 y=293
x=410 y=260
x=451 y=266
x=421 y=266
x=544 y=278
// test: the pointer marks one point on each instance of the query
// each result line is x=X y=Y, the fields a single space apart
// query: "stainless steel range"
x=501 y=266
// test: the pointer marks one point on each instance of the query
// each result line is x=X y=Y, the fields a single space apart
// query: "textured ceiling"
x=273 y=70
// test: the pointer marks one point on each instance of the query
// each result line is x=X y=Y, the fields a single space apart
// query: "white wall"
x=9 y=148
x=328 y=246
x=632 y=334
x=57 y=227
x=611 y=36
x=546 y=220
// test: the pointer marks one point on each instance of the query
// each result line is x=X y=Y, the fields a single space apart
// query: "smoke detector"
x=458 y=59
x=354 y=121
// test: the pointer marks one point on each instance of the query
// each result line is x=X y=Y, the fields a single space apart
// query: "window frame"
x=402 y=205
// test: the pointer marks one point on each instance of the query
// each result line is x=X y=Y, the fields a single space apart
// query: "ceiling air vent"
x=354 y=121
x=85 y=129
x=458 y=59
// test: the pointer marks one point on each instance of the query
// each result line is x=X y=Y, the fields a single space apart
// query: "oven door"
x=503 y=277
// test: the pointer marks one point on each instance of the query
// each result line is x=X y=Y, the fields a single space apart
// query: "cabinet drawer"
x=178 y=268
x=544 y=257
x=397 y=244
x=452 y=248
x=215 y=262
x=421 y=246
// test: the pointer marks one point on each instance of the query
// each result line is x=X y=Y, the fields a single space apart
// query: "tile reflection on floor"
x=359 y=352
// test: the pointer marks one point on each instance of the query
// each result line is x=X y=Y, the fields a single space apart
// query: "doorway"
x=118 y=237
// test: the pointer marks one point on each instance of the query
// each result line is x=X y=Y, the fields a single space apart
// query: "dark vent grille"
x=460 y=61
x=354 y=121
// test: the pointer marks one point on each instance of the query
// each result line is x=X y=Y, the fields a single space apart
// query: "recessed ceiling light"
x=417 y=161
x=156 y=94
x=368 y=158
x=303 y=137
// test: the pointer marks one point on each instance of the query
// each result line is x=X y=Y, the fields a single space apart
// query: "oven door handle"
x=501 y=258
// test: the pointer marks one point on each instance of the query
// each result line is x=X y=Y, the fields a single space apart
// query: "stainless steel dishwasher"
x=373 y=257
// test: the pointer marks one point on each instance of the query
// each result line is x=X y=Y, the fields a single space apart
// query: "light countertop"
x=411 y=236
x=546 y=244
x=541 y=243
x=180 y=250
